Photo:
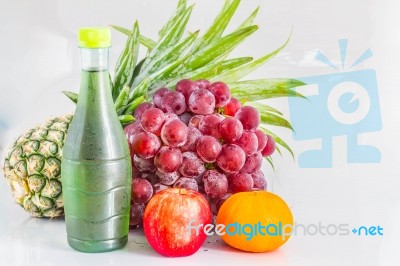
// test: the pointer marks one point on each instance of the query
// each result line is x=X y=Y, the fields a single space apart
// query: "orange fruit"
x=256 y=221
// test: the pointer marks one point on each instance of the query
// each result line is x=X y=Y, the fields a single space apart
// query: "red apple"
x=170 y=221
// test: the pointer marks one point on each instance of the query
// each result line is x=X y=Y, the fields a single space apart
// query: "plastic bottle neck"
x=94 y=59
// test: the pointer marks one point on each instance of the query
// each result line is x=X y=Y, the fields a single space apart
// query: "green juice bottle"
x=96 y=165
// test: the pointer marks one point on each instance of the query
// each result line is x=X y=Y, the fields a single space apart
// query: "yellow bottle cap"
x=94 y=37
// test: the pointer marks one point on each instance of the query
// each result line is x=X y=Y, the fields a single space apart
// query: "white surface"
x=39 y=59
x=41 y=242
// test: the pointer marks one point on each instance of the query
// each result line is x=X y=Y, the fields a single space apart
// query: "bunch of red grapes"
x=196 y=137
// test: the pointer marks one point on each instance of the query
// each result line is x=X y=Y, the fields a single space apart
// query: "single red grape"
x=249 y=117
x=202 y=102
x=152 y=120
x=142 y=190
x=232 y=107
x=145 y=145
x=141 y=108
x=221 y=93
x=209 y=125
x=262 y=139
x=208 y=148
x=259 y=180
x=192 y=165
x=174 y=133
x=231 y=159
x=215 y=184
x=253 y=163
x=240 y=182
x=173 y=102
x=187 y=182
x=168 y=159
x=159 y=95
x=270 y=147
x=231 y=129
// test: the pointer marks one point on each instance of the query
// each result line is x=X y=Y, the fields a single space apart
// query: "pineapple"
x=32 y=165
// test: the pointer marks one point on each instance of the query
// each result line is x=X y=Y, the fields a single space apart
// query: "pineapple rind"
x=32 y=168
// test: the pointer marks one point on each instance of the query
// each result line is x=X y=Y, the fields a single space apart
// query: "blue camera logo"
x=346 y=104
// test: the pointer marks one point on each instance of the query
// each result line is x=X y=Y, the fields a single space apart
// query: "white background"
x=39 y=58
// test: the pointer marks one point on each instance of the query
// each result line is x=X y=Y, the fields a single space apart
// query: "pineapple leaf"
x=71 y=95
x=121 y=29
x=126 y=119
x=145 y=41
x=278 y=150
x=136 y=71
x=263 y=107
x=213 y=69
x=218 y=26
x=178 y=13
x=166 y=74
x=127 y=62
x=270 y=115
x=172 y=34
x=219 y=48
x=122 y=99
x=274 y=120
x=132 y=105
x=269 y=160
x=182 y=4
x=249 y=21
x=170 y=55
x=111 y=83
x=125 y=51
x=277 y=139
x=253 y=90
x=141 y=90
x=237 y=74
x=284 y=82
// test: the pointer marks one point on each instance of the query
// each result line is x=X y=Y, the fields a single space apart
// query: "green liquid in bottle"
x=96 y=164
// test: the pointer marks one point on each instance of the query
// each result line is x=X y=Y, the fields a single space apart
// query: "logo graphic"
x=346 y=104
x=282 y=230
